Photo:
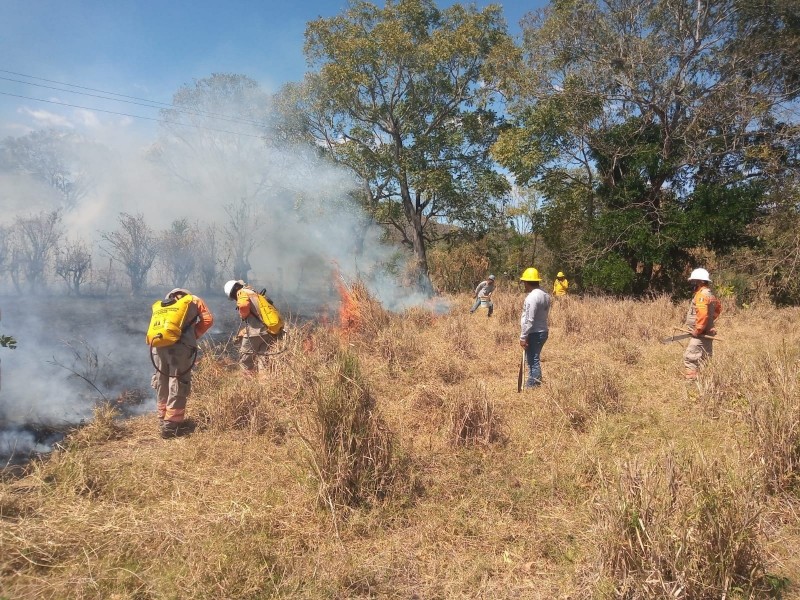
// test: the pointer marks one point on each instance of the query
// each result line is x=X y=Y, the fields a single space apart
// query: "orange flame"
x=349 y=313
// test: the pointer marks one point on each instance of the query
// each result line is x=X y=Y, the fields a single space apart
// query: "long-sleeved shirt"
x=247 y=304
x=535 y=311
x=484 y=289
x=560 y=287
x=196 y=313
x=703 y=311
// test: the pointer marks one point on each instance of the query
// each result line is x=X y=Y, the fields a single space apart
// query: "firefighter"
x=533 y=324
x=173 y=356
x=703 y=312
x=483 y=294
x=560 y=285
x=261 y=324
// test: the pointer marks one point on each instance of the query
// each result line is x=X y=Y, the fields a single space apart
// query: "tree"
x=244 y=221
x=135 y=246
x=212 y=142
x=655 y=121
x=404 y=96
x=208 y=257
x=35 y=239
x=178 y=251
x=73 y=263
x=52 y=157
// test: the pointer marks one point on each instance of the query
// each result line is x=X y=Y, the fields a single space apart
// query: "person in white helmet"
x=255 y=337
x=173 y=360
x=703 y=312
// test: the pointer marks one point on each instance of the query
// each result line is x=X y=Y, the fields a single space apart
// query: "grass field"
x=397 y=460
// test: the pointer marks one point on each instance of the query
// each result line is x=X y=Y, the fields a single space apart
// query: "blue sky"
x=148 y=49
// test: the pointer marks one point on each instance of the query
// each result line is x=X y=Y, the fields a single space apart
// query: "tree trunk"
x=414 y=218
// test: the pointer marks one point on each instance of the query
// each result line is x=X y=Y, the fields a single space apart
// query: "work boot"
x=171 y=429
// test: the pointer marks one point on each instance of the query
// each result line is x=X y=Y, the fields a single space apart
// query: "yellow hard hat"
x=530 y=274
x=560 y=274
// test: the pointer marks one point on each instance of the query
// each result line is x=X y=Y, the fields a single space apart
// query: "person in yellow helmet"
x=534 y=324
x=560 y=285
x=703 y=311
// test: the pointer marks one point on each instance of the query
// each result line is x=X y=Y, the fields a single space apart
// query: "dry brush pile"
x=395 y=458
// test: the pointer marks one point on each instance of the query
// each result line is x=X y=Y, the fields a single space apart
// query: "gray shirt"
x=484 y=289
x=535 y=311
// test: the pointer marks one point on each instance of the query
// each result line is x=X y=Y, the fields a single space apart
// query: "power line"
x=150 y=102
x=111 y=112
x=181 y=110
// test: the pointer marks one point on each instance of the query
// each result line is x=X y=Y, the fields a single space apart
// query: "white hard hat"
x=228 y=287
x=700 y=275
x=183 y=291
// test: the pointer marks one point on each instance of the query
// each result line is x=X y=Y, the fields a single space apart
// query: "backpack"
x=269 y=315
x=166 y=323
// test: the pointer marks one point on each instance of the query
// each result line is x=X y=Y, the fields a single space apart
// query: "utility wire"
x=153 y=105
x=81 y=87
x=111 y=112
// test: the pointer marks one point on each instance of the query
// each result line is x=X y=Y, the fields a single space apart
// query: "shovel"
x=521 y=371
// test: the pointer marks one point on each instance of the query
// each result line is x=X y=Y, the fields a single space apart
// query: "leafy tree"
x=135 y=246
x=654 y=122
x=207 y=253
x=405 y=96
x=52 y=157
x=213 y=142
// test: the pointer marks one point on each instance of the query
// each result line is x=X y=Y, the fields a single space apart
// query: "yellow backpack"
x=269 y=315
x=166 y=324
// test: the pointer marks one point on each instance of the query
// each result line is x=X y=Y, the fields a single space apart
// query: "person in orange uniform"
x=173 y=377
x=703 y=312
x=560 y=285
x=256 y=340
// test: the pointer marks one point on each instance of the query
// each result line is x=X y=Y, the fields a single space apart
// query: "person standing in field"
x=177 y=323
x=534 y=324
x=703 y=312
x=483 y=294
x=262 y=324
x=560 y=285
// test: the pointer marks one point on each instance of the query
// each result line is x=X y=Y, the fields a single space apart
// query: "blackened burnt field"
x=73 y=353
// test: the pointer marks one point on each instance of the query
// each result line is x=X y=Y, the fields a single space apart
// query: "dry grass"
x=473 y=417
x=682 y=528
x=400 y=420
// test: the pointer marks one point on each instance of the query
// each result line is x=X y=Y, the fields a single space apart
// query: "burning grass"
x=614 y=479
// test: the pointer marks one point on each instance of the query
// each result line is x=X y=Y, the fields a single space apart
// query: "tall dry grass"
x=682 y=528
x=774 y=417
x=354 y=454
x=453 y=485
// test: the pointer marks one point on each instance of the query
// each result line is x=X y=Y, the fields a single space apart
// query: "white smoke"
x=308 y=227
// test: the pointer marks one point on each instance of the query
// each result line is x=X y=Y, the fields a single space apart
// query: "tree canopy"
x=658 y=124
x=405 y=96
